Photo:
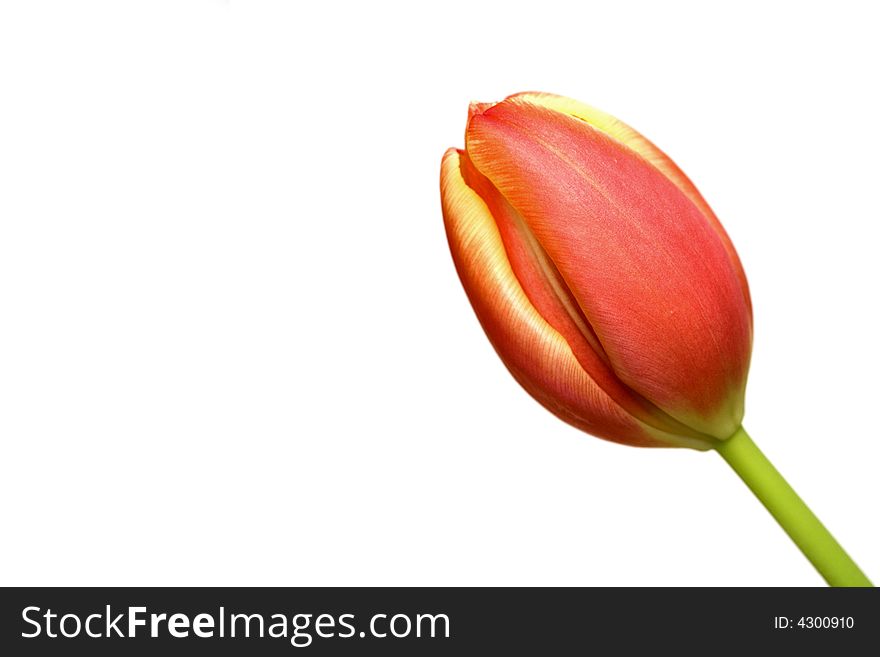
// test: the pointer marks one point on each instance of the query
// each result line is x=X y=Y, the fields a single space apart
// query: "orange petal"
x=631 y=138
x=553 y=300
x=537 y=355
x=648 y=269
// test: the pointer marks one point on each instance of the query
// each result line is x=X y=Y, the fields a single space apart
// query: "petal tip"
x=477 y=109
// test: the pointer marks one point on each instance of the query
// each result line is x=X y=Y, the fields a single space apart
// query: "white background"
x=234 y=350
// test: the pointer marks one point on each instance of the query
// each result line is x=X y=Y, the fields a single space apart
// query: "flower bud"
x=602 y=278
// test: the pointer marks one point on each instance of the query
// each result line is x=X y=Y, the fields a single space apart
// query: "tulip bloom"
x=599 y=273
x=603 y=279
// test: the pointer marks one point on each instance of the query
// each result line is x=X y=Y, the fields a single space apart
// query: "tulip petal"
x=553 y=300
x=649 y=271
x=537 y=355
x=631 y=138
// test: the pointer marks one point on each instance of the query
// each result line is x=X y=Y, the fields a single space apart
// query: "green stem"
x=795 y=517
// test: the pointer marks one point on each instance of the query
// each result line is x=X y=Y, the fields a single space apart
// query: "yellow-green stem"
x=795 y=517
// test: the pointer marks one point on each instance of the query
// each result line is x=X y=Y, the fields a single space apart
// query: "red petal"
x=537 y=355
x=549 y=294
x=631 y=138
x=647 y=267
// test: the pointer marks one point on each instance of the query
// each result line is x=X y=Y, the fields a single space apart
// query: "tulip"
x=610 y=290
